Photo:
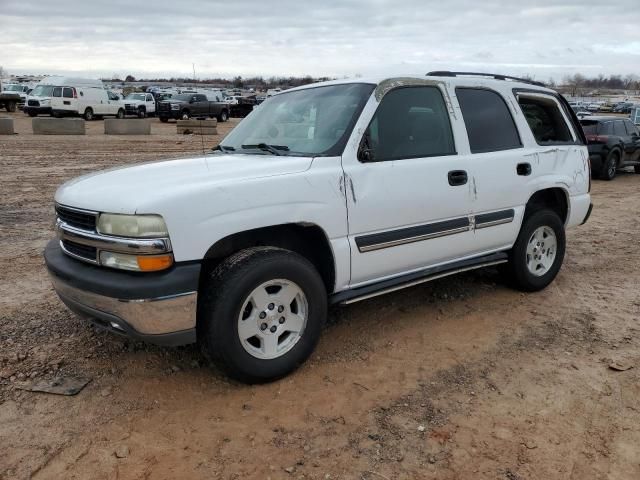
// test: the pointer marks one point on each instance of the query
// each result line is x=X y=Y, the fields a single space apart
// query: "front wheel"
x=261 y=313
x=120 y=114
x=11 y=106
x=88 y=114
x=636 y=168
x=185 y=115
x=164 y=119
x=224 y=116
x=32 y=114
x=142 y=113
x=536 y=257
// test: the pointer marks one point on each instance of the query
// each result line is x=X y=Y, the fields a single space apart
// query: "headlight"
x=137 y=226
x=45 y=101
x=136 y=263
x=175 y=106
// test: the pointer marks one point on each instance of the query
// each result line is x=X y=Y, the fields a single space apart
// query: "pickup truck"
x=9 y=100
x=330 y=193
x=187 y=105
x=139 y=104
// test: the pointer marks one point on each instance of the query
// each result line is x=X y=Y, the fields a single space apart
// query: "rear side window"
x=67 y=92
x=410 y=122
x=618 y=129
x=606 y=128
x=489 y=123
x=57 y=92
x=545 y=120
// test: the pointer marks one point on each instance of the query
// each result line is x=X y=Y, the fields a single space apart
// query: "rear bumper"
x=155 y=308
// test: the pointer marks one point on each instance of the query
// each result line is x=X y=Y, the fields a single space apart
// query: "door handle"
x=457 y=177
x=524 y=169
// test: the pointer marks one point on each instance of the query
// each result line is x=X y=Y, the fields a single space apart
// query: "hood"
x=141 y=187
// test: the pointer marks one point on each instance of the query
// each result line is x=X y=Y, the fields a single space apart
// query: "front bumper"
x=158 y=308
x=37 y=110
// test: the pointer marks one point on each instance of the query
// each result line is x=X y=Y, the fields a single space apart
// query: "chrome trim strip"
x=75 y=209
x=96 y=261
x=419 y=281
x=136 y=246
x=493 y=223
x=427 y=236
x=147 y=316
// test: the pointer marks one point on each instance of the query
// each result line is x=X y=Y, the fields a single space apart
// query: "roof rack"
x=446 y=73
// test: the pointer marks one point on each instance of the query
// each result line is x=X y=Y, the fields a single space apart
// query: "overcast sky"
x=322 y=38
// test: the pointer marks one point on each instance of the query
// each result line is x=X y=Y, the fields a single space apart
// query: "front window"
x=310 y=122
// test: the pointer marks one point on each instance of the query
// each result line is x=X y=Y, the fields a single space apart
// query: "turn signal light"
x=153 y=263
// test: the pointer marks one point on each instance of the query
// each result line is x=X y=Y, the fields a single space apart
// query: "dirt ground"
x=461 y=378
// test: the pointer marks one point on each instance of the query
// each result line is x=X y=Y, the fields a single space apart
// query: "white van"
x=84 y=97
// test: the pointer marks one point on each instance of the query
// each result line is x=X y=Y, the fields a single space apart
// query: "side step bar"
x=426 y=275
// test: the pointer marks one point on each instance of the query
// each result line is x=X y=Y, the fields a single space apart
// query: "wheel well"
x=308 y=240
x=553 y=198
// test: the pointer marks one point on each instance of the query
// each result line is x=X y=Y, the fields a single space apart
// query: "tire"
x=185 y=115
x=610 y=166
x=523 y=270
x=120 y=114
x=11 y=106
x=142 y=113
x=88 y=114
x=223 y=117
x=229 y=299
x=164 y=119
x=636 y=168
x=32 y=113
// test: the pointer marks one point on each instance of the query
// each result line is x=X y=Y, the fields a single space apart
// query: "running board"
x=426 y=275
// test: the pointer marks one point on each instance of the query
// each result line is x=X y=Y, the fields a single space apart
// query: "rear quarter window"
x=589 y=127
x=489 y=123
x=545 y=120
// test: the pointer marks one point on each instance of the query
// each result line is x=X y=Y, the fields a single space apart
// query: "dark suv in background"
x=613 y=143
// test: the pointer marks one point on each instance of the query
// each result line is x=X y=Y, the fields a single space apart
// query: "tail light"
x=597 y=138
x=75 y=93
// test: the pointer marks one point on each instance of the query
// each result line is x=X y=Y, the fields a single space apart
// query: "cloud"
x=329 y=38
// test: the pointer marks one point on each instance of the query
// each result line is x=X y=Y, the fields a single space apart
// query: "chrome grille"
x=85 y=252
x=77 y=218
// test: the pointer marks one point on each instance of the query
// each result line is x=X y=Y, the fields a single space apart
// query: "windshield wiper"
x=272 y=149
x=224 y=148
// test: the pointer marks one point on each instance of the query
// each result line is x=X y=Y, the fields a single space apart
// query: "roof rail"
x=497 y=76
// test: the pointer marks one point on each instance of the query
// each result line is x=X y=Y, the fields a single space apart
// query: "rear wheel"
x=164 y=119
x=261 y=313
x=537 y=255
x=88 y=114
x=636 y=168
x=610 y=166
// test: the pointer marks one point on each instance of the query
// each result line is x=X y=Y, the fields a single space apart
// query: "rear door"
x=496 y=151
x=620 y=132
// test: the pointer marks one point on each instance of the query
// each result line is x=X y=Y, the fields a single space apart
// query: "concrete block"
x=129 y=126
x=6 y=126
x=57 y=126
x=197 y=127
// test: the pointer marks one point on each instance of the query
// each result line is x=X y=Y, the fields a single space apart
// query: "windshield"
x=136 y=96
x=42 y=91
x=310 y=122
x=589 y=127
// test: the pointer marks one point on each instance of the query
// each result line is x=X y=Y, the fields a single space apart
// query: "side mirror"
x=365 y=152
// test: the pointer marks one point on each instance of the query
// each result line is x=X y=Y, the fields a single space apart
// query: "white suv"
x=327 y=194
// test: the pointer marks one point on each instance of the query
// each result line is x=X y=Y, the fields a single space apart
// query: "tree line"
x=258 y=82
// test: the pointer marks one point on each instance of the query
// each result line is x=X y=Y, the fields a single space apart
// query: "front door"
x=408 y=192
